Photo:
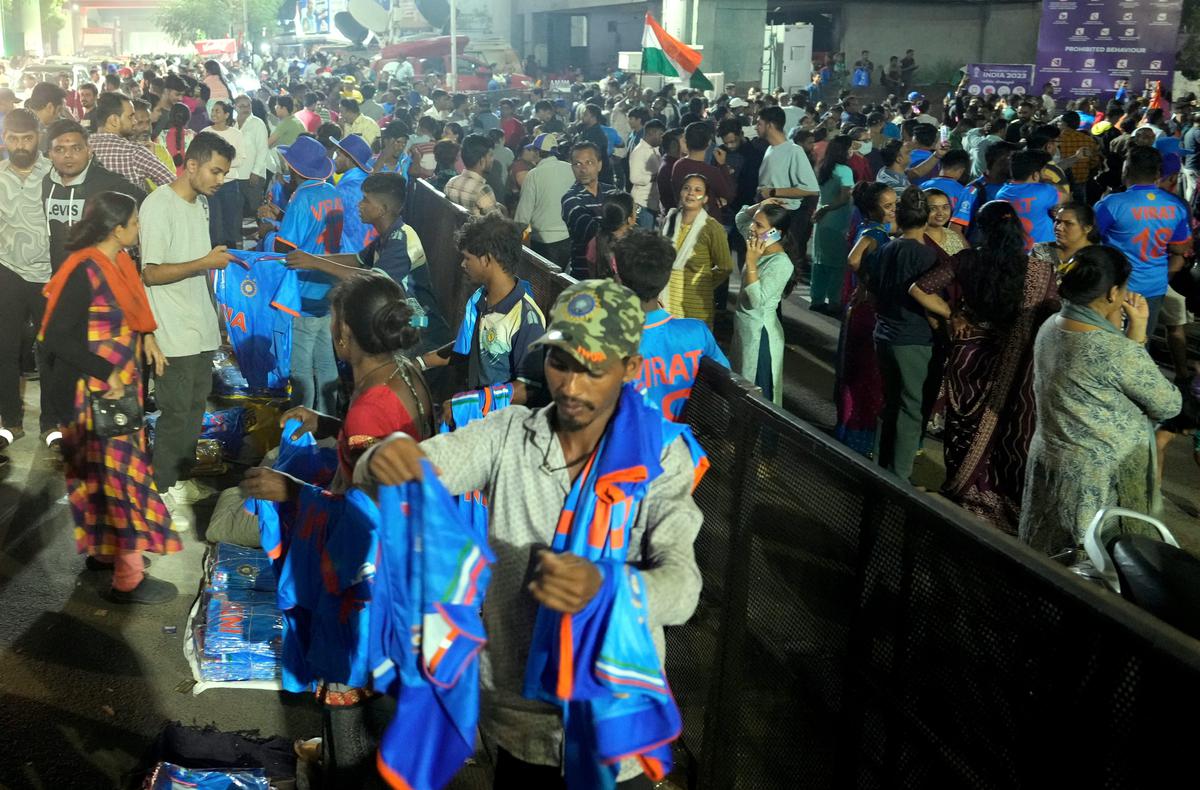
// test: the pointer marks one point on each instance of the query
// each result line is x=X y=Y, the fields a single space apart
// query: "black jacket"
x=64 y=204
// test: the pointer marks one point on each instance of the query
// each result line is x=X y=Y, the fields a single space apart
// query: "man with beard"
x=111 y=144
x=24 y=264
x=176 y=259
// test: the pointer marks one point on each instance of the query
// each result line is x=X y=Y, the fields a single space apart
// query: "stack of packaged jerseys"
x=168 y=776
x=239 y=629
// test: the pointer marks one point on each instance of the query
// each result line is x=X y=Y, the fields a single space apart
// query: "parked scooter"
x=1155 y=575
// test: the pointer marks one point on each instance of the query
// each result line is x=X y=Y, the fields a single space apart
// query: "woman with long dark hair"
x=994 y=297
x=1098 y=394
x=618 y=216
x=97 y=333
x=858 y=389
x=177 y=136
x=832 y=221
x=218 y=88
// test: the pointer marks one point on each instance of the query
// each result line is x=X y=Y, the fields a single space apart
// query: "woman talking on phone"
x=757 y=351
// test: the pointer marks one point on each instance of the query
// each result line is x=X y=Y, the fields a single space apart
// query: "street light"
x=453 y=46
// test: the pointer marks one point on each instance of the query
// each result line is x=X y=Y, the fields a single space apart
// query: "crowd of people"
x=996 y=266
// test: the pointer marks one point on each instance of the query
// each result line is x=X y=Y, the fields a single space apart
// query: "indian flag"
x=662 y=54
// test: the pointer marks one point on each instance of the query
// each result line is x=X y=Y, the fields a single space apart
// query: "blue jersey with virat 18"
x=671 y=350
x=1141 y=222
x=313 y=222
x=259 y=295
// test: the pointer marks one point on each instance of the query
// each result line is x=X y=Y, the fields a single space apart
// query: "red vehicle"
x=432 y=56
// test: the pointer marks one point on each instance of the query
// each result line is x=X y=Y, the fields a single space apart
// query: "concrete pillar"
x=31 y=25
x=731 y=32
x=676 y=18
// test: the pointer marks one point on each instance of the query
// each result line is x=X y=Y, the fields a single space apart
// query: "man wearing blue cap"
x=353 y=154
x=312 y=222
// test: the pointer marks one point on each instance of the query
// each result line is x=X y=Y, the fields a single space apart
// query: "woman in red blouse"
x=372 y=325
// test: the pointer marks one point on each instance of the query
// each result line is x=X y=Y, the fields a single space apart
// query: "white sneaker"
x=181 y=515
x=189 y=492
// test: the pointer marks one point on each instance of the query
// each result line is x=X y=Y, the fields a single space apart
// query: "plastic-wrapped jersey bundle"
x=251 y=625
x=236 y=568
x=234 y=667
x=168 y=776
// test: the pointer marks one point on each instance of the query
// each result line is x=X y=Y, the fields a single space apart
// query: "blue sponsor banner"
x=984 y=79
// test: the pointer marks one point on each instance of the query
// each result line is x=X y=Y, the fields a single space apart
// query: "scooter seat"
x=1160 y=579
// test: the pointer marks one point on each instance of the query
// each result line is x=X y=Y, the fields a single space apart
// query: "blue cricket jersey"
x=952 y=188
x=258 y=300
x=355 y=233
x=313 y=222
x=304 y=460
x=1033 y=203
x=973 y=196
x=1141 y=222
x=918 y=157
x=671 y=350
x=426 y=631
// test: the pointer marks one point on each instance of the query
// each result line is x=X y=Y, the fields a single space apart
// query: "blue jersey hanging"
x=259 y=295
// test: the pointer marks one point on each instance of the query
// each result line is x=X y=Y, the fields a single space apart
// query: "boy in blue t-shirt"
x=984 y=188
x=671 y=347
x=1149 y=225
x=1032 y=199
x=954 y=166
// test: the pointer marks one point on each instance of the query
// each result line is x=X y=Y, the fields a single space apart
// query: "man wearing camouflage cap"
x=529 y=462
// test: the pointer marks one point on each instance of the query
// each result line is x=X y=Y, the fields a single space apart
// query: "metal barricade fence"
x=853 y=632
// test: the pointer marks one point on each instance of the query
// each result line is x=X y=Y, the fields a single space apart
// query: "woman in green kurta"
x=757 y=352
x=832 y=221
x=1097 y=392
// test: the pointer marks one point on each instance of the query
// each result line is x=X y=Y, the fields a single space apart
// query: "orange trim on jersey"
x=959 y=221
x=287 y=310
x=389 y=774
x=699 y=472
x=566 y=659
x=653 y=768
x=564 y=522
x=282 y=240
x=658 y=323
x=598 y=529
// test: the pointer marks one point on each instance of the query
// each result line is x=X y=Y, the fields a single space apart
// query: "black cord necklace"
x=548 y=469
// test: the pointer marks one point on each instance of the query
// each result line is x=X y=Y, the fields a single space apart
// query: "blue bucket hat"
x=308 y=158
x=355 y=147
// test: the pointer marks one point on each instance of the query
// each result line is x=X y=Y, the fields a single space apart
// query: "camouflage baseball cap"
x=595 y=321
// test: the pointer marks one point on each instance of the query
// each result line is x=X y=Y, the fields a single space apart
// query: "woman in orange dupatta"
x=97 y=331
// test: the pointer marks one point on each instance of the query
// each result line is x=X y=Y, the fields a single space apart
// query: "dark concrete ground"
x=86 y=686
